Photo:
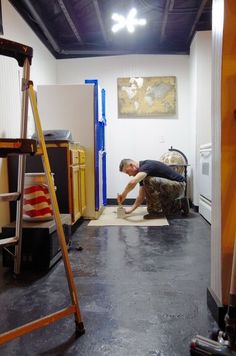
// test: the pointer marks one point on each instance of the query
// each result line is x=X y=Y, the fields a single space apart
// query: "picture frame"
x=146 y=96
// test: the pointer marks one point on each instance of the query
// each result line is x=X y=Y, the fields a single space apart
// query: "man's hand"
x=120 y=198
x=129 y=210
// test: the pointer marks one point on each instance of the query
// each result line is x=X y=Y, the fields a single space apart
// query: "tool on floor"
x=120 y=210
x=23 y=146
x=225 y=343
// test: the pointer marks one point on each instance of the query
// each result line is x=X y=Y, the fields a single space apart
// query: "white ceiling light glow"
x=128 y=22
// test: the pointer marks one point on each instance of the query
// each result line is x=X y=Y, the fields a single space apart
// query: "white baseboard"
x=205 y=208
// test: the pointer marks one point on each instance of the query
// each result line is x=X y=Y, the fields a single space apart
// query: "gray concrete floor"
x=142 y=291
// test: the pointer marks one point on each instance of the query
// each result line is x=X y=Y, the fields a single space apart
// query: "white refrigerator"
x=80 y=108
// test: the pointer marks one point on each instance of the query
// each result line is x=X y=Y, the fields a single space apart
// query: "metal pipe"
x=69 y=20
x=42 y=25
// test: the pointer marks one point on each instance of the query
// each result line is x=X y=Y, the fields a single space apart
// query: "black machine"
x=225 y=343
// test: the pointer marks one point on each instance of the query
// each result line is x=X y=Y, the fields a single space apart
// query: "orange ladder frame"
x=23 y=146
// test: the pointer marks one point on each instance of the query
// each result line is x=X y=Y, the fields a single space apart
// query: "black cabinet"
x=40 y=244
x=67 y=162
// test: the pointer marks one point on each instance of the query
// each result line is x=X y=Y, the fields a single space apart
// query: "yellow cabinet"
x=82 y=194
x=77 y=176
x=75 y=203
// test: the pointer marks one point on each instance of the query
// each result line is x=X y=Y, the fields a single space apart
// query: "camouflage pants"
x=162 y=194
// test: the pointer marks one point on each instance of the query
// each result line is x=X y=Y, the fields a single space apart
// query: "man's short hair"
x=124 y=162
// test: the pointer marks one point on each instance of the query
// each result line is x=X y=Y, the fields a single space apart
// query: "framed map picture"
x=146 y=96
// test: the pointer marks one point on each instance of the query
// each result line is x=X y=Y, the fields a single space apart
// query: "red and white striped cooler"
x=36 y=203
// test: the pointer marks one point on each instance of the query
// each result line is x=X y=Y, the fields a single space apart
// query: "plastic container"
x=120 y=212
x=36 y=203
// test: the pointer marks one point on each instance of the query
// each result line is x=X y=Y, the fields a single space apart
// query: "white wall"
x=43 y=71
x=138 y=138
x=200 y=78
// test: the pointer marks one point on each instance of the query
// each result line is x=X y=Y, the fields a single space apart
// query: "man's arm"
x=140 y=198
x=130 y=186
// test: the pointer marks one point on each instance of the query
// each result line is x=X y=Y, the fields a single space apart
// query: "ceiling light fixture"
x=129 y=22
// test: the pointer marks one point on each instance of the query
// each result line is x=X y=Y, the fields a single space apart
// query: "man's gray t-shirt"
x=158 y=169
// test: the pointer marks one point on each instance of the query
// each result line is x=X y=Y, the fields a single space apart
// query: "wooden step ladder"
x=23 y=147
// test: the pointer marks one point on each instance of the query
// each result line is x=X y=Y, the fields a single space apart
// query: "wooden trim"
x=217 y=38
x=228 y=145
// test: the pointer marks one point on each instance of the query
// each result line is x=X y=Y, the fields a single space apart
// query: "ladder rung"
x=8 y=241
x=17 y=146
x=9 y=196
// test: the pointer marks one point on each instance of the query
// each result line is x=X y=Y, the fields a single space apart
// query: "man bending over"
x=158 y=183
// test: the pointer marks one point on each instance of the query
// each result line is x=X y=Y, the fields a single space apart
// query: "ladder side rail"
x=22 y=165
x=23 y=54
x=36 y=324
x=60 y=231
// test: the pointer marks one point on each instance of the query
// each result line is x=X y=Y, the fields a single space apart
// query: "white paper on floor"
x=109 y=218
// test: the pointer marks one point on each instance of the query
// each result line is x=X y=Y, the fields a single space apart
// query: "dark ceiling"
x=82 y=28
